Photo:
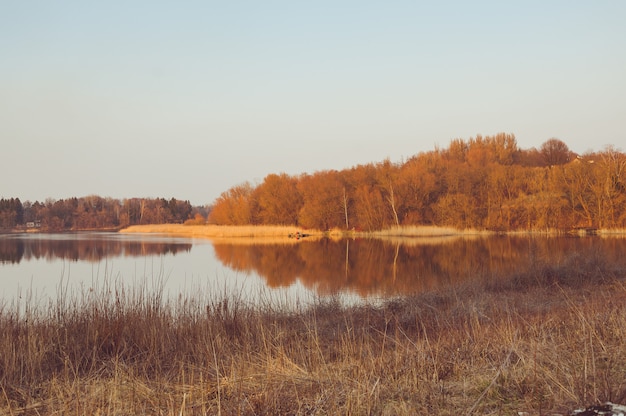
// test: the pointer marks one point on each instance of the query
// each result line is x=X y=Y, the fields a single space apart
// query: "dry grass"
x=423 y=231
x=613 y=232
x=219 y=231
x=282 y=232
x=543 y=342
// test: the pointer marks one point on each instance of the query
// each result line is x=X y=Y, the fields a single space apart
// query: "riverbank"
x=219 y=231
x=224 y=231
x=281 y=232
x=544 y=342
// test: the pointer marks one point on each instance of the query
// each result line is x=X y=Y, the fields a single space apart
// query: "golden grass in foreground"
x=544 y=342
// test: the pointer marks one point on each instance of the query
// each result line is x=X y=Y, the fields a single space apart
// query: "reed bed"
x=544 y=342
x=279 y=231
x=219 y=231
x=612 y=232
x=424 y=231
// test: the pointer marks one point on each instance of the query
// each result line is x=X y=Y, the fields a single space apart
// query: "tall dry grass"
x=279 y=231
x=218 y=231
x=425 y=231
x=544 y=342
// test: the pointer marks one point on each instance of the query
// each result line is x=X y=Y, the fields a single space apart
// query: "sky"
x=187 y=99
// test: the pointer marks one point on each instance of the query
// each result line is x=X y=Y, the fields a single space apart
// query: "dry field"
x=543 y=342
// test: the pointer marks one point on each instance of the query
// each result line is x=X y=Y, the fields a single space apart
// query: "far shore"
x=280 y=231
x=284 y=232
x=221 y=231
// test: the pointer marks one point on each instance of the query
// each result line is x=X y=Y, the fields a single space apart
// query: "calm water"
x=39 y=266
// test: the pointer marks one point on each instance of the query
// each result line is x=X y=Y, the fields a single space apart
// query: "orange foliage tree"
x=323 y=200
x=234 y=206
x=279 y=200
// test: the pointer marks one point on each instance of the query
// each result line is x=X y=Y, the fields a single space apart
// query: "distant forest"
x=95 y=213
x=481 y=183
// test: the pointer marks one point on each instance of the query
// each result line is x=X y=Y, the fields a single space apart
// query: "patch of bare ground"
x=544 y=342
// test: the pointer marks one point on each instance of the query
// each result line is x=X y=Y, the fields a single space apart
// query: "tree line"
x=483 y=183
x=94 y=212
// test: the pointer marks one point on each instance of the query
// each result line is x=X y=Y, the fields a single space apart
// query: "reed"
x=219 y=231
x=545 y=342
x=279 y=231
x=612 y=232
x=424 y=231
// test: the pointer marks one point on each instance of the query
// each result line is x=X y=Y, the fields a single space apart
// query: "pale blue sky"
x=186 y=99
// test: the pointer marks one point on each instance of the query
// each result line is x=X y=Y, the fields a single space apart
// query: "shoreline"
x=218 y=231
x=297 y=233
x=280 y=231
x=236 y=231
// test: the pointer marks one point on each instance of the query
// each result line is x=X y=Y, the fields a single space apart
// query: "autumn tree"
x=387 y=180
x=457 y=151
x=530 y=158
x=131 y=212
x=322 y=195
x=422 y=180
x=33 y=212
x=505 y=148
x=369 y=208
x=178 y=211
x=278 y=199
x=555 y=152
x=234 y=207
x=575 y=180
x=499 y=185
x=11 y=212
x=455 y=210
x=613 y=185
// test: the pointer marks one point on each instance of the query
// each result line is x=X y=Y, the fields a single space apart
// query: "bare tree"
x=555 y=152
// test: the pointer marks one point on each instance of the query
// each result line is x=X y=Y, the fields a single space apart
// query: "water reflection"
x=90 y=247
x=360 y=267
x=396 y=267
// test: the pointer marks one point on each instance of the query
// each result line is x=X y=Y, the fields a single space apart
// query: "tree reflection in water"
x=363 y=267
x=92 y=247
x=405 y=266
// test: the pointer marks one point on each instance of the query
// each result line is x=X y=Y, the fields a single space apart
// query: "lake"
x=41 y=266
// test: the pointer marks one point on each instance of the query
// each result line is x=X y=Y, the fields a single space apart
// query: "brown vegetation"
x=544 y=342
x=483 y=183
x=93 y=213
x=192 y=229
x=480 y=183
x=216 y=231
